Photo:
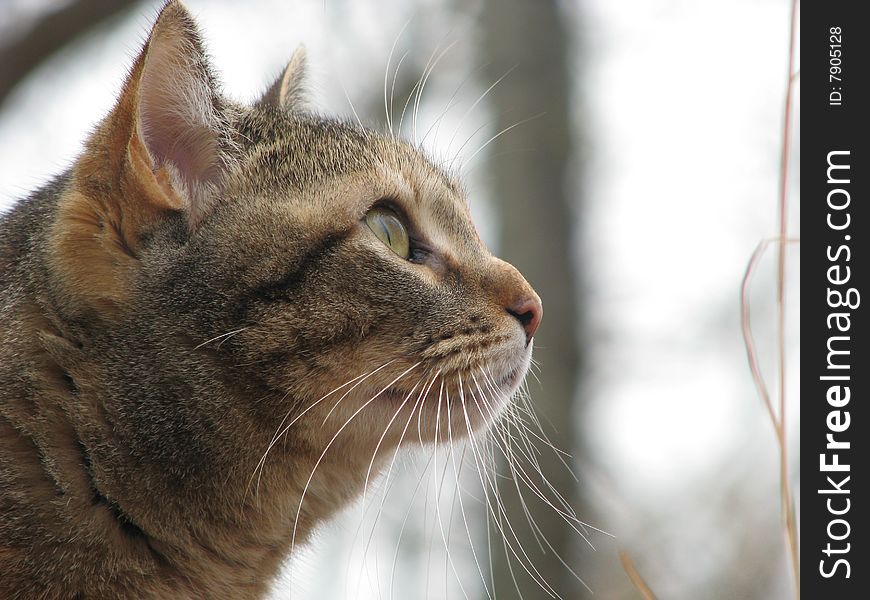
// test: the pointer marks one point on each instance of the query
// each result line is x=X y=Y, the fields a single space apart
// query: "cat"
x=219 y=324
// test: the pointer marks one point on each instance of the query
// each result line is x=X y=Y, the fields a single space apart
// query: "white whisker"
x=498 y=135
x=501 y=519
x=445 y=537
x=388 y=107
x=474 y=105
x=279 y=433
x=329 y=445
x=451 y=102
x=426 y=74
x=456 y=473
x=225 y=337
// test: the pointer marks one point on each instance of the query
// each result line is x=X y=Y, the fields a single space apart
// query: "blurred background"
x=625 y=157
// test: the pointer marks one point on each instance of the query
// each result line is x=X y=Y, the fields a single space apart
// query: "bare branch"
x=54 y=30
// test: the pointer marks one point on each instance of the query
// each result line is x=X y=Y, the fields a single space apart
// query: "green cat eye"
x=390 y=230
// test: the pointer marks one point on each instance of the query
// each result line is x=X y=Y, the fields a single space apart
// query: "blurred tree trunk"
x=532 y=184
x=55 y=28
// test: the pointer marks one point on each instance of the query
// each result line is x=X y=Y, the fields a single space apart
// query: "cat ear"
x=288 y=90
x=162 y=150
x=179 y=139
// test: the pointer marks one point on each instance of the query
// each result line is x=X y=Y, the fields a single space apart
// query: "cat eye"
x=390 y=230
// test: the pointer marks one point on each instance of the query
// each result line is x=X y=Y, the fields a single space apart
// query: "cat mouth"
x=439 y=405
x=510 y=379
x=454 y=387
x=482 y=391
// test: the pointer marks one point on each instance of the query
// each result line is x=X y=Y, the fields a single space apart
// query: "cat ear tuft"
x=288 y=91
x=178 y=114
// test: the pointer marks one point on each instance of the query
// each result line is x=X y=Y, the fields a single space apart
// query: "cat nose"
x=511 y=292
x=529 y=311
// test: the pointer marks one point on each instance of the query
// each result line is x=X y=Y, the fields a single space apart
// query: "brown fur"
x=199 y=279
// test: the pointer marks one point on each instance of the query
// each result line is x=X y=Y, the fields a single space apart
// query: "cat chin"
x=514 y=376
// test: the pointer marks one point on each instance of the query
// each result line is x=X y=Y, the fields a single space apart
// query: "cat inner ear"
x=288 y=90
x=179 y=118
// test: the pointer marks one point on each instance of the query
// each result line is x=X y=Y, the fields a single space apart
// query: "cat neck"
x=217 y=502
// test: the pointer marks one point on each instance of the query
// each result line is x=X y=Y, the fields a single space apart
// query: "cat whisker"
x=326 y=449
x=566 y=512
x=388 y=107
x=418 y=405
x=526 y=430
x=384 y=434
x=485 y=462
x=530 y=450
x=416 y=91
x=474 y=105
x=513 y=416
x=525 y=397
x=367 y=506
x=343 y=396
x=350 y=103
x=405 y=107
x=541 y=537
x=329 y=445
x=420 y=398
x=257 y=472
x=511 y=461
x=522 y=407
x=393 y=92
x=420 y=414
x=502 y=514
x=279 y=432
x=497 y=517
x=451 y=102
x=405 y=522
x=458 y=487
x=489 y=545
x=543 y=438
x=445 y=537
x=458 y=154
x=534 y=369
x=500 y=518
x=427 y=72
x=438 y=486
x=496 y=136
x=536 y=530
x=352 y=107
x=225 y=337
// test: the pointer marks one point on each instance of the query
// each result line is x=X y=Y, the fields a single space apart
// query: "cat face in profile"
x=367 y=278
x=217 y=294
x=320 y=256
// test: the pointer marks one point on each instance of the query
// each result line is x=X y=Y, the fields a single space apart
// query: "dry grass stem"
x=635 y=577
x=779 y=421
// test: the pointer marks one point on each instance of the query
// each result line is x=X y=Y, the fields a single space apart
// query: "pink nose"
x=528 y=311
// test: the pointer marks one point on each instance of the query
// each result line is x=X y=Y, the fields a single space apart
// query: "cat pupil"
x=390 y=230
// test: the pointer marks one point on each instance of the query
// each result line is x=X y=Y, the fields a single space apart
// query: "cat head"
x=312 y=270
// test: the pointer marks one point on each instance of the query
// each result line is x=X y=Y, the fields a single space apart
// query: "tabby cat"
x=219 y=324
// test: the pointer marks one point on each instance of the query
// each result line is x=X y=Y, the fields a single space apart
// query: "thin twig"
x=779 y=421
x=787 y=500
x=635 y=577
x=746 y=325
